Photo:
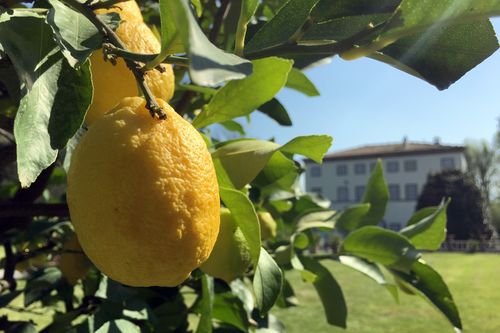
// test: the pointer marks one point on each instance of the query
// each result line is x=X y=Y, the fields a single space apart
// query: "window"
x=360 y=168
x=341 y=170
x=411 y=165
x=395 y=226
x=317 y=190
x=372 y=166
x=447 y=163
x=316 y=171
x=411 y=192
x=358 y=192
x=394 y=194
x=342 y=194
x=392 y=166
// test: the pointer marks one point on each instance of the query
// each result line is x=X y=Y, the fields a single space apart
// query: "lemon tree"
x=147 y=223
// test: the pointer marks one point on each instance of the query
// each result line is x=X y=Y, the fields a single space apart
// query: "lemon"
x=230 y=257
x=111 y=82
x=143 y=196
x=268 y=225
x=73 y=263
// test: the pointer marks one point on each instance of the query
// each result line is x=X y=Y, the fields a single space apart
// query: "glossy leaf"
x=430 y=232
x=350 y=217
x=41 y=284
x=119 y=326
x=312 y=146
x=431 y=286
x=43 y=71
x=208 y=65
x=432 y=54
x=371 y=270
x=74 y=33
x=276 y=111
x=246 y=217
x=318 y=219
x=415 y=16
x=327 y=10
x=22 y=327
x=377 y=195
x=283 y=26
x=267 y=282
x=297 y=80
x=206 y=306
x=241 y=97
x=382 y=246
x=244 y=159
x=329 y=292
x=279 y=173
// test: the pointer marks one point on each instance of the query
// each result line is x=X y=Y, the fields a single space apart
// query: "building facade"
x=343 y=175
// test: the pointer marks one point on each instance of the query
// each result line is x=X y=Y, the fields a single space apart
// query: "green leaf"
x=342 y=28
x=41 y=284
x=74 y=33
x=267 y=282
x=43 y=71
x=382 y=246
x=431 y=286
x=350 y=217
x=312 y=146
x=233 y=126
x=297 y=80
x=317 y=219
x=244 y=159
x=430 y=232
x=371 y=270
x=279 y=173
x=198 y=7
x=229 y=309
x=283 y=27
x=241 y=97
x=248 y=9
x=208 y=65
x=119 y=326
x=443 y=54
x=416 y=16
x=377 y=195
x=71 y=102
x=246 y=217
x=276 y=111
x=207 y=299
x=287 y=297
x=171 y=41
x=327 y=9
x=22 y=327
x=9 y=297
x=329 y=292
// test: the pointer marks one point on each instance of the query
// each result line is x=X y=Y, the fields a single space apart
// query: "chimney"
x=405 y=141
x=437 y=140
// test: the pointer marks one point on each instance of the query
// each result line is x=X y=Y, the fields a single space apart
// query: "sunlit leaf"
x=241 y=97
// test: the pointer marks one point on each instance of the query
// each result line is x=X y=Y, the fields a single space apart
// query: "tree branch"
x=218 y=19
x=31 y=210
x=135 y=67
x=142 y=57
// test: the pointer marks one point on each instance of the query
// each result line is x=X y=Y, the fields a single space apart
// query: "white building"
x=343 y=175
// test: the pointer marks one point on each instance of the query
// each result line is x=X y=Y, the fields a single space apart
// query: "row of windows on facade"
x=410 y=192
x=390 y=167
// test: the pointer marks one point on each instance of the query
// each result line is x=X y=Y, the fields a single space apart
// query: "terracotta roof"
x=387 y=150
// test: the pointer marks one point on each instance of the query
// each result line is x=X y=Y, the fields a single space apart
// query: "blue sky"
x=367 y=102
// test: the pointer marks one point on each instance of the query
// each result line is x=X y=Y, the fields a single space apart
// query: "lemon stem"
x=134 y=66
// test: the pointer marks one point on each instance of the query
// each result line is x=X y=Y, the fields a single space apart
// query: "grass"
x=472 y=278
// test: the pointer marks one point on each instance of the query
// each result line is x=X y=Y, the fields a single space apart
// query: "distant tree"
x=465 y=212
x=482 y=163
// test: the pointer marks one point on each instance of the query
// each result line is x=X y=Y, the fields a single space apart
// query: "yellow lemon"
x=111 y=82
x=73 y=263
x=143 y=196
x=230 y=257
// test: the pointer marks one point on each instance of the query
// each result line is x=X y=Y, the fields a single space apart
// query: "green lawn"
x=474 y=280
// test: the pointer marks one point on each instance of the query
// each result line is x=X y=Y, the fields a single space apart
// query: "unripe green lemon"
x=230 y=257
x=268 y=225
